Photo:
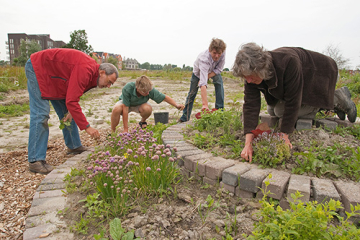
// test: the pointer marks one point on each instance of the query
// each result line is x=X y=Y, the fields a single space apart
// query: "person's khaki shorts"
x=131 y=109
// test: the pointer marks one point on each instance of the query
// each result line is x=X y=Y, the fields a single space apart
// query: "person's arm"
x=79 y=81
x=210 y=75
x=125 y=118
x=247 y=152
x=204 y=97
x=172 y=102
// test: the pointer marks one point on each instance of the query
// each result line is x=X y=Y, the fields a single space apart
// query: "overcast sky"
x=172 y=31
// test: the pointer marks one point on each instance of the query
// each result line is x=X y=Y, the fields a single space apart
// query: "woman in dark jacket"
x=295 y=82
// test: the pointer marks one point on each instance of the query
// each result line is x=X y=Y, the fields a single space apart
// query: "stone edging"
x=42 y=221
x=242 y=179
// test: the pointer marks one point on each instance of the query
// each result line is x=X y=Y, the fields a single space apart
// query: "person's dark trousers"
x=194 y=87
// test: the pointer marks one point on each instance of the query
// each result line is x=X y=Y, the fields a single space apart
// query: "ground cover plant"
x=317 y=152
x=310 y=220
x=128 y=165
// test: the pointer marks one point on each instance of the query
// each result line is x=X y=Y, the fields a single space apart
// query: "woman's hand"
x=247 y=153
x=286 y=139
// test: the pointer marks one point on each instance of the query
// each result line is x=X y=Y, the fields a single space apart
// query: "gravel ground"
x=18 y=185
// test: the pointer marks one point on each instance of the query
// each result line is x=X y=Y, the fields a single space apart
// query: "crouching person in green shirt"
x=134 y=98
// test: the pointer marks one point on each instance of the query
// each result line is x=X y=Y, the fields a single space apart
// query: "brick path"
x=242 y=179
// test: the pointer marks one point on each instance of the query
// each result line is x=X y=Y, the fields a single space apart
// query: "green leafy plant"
x=81 y=226
x=118 y=233
x=303 y=220
x=64 y=124
x=270 y=149
x=210 y=205
x=332 y=161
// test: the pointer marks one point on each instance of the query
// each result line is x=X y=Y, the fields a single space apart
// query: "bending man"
x=61 y=76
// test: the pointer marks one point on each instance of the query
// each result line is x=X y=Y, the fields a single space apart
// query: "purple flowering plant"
x=130 y=164
x=270 y=149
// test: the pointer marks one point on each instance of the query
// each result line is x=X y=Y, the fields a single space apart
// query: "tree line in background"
x=79 y=41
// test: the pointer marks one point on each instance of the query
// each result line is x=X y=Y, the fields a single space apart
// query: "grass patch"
x=12 y=78
x=14 y=110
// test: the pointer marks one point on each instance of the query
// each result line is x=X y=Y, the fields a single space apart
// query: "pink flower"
x=175 y=149
x=158 y=169
x=105 y=184
x=129 y=151
x=148 y=169
x=171 y=159
x=155 y=157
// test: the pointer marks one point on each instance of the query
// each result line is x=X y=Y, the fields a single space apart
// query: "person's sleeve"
x=251 y=107
x=204 y=72
x=126 y=96
x=220 y=66
x=293 y=89
x=157 y=96
x=78 y=81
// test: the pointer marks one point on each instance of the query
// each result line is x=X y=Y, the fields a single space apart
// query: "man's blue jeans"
x=194 y=87
x=39 y=116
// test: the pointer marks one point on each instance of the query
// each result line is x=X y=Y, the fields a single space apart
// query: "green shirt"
x=130 y=98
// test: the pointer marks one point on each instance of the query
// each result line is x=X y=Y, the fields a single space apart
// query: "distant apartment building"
x=44 y=40
x=103 y=56
x=131 y=64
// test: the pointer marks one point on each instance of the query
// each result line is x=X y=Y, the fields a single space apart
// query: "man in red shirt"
x=61 y=76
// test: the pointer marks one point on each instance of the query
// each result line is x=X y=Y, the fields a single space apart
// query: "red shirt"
x=66 y=74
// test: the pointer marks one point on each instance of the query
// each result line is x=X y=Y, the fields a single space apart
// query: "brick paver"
x=324 y=190
x=251 y=180
x=232 y=174
x=326 y=124
x=215 y=167
x=277 y=183
x=350 y=193
x=272 y=121
x=190 y=162
x=299 y=183
x=304 y=124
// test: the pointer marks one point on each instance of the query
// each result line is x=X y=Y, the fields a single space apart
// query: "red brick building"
x=44 y=40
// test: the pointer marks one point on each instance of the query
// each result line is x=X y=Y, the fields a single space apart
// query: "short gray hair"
x=109 y=69
x=252 y=59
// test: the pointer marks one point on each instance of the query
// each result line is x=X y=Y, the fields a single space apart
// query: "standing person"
x=134 y=98
x=62 y=76
x=296 y=83
x=209 y=64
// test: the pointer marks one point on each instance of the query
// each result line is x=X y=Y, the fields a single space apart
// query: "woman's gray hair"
x=252 y=59
x=109 y=69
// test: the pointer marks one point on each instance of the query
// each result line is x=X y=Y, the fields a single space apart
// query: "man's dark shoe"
x=180 y=121
x=77 y=150
x=343 y=103
x=40 y=167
